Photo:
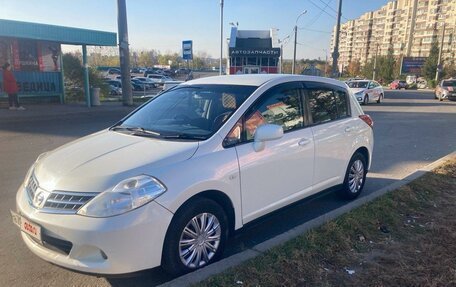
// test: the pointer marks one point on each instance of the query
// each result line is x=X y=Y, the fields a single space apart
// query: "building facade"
x=253 y=52
x=408 y=27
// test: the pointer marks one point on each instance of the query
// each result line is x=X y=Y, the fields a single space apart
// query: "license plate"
x=32 y=229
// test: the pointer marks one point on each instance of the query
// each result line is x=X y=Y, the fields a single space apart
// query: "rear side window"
x=327 y=104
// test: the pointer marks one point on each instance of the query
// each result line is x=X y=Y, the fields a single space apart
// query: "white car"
x=366 y=91
x=167 y=184
x=159 y=79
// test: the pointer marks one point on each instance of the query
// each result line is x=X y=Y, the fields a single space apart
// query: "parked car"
x=143 y=85
x=366 y=91
x=153 y=71
x=114 y=91
x=137 y=86
x=446 y=89
x=167 y=184
x=115 y=83
x=151 y=84
x=159 y=79
x=398 y=84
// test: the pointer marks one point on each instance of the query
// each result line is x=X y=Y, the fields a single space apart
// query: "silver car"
x=366 y=91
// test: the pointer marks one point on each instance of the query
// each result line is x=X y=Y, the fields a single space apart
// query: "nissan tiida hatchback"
x=169 y=182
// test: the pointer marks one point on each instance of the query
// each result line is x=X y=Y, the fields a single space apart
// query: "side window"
x=280 y=106
x=327 y=104
x=342 y=104
x=322 y=105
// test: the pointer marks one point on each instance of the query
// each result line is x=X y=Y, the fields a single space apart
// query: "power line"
x=323 y=10
x=313 y=30
x=334 y=10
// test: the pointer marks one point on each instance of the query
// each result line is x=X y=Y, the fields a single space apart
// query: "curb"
x=236 y=259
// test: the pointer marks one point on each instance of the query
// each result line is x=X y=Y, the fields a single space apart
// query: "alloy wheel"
x=356 y=176
x=200 y=240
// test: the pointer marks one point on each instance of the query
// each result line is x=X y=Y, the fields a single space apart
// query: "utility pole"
x=335 y=54
x=293 y=67
x=374 y=72
x=439 y=62
x=124 y=52
x=326 y=62
x=221 y=36
x=296 y=41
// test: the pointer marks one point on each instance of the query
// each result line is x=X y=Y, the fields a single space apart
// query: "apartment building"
x=408 y=27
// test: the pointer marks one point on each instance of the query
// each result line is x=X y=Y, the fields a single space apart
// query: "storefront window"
x=264 y=62
x=252 y=61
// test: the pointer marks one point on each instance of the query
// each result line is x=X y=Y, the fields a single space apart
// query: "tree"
x=74 y=78
x=354 y=68
x=430 y=65
x=368 y=69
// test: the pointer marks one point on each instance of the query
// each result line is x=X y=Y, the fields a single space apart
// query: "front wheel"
x=196 y=237
x=355 y=177
x=366 y=100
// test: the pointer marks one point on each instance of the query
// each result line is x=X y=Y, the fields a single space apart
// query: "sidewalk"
x=40 y=111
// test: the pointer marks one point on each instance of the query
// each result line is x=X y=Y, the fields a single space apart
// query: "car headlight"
x=127 y=195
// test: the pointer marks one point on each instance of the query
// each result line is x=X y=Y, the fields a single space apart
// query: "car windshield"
x=355 y=85
x=189 y=112
x=449 y=84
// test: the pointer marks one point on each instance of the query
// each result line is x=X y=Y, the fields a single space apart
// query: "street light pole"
x=293 y=67
x=221 y=36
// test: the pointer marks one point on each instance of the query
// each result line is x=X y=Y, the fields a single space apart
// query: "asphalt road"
x=411 y=130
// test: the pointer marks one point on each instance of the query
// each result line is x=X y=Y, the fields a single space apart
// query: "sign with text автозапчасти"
x=187 y=50
x=255 y=52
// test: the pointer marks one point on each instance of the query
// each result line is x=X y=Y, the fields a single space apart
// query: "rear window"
x=355 y=85
x=449 y=84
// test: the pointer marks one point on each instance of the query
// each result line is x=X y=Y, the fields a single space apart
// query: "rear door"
x=333 y=129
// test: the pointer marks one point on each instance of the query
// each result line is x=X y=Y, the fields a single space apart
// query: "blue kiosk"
x=34 y=51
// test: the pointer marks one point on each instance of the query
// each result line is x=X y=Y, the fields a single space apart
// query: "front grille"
x=54 y=244
x=68 y=202
x=57 y=244
x=32 y=186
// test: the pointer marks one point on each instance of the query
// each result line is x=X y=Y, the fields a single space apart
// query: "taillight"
x=367 y=119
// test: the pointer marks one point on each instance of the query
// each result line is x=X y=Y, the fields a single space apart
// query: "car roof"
x=359 y=81
x=258 y=79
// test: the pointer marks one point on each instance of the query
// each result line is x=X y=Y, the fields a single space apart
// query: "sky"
x=163 y=24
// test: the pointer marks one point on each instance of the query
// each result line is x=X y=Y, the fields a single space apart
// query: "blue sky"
x=163 y=24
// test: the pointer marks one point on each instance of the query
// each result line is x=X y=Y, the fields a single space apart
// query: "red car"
x=397 y=85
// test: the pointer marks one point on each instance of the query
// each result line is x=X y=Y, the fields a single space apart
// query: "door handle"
x=349 y=129
x=304 y=142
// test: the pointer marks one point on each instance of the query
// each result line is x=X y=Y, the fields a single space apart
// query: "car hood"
x=99 y=161
x=357 y=90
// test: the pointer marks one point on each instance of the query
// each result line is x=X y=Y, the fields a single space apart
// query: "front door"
x=251 y=70
x=283 y=171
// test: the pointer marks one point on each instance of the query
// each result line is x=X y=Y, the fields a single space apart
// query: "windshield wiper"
x=184 y=137
x=139 y=131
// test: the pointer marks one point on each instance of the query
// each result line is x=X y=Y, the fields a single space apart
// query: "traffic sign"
x=187 y=50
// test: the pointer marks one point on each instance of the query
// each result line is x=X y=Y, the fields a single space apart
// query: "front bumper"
x=115 y=245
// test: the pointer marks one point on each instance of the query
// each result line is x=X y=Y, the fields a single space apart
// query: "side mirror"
x=266 y=132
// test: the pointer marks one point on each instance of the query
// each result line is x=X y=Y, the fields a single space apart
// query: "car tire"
x=366 y=100
x=380 y=99
x=355 y=177
x=202 y=212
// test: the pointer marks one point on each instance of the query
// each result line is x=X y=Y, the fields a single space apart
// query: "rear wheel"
x=196 y=236
x=380 y=98
x=355 y=176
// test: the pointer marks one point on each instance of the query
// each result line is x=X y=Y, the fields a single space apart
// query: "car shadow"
x=264 y=228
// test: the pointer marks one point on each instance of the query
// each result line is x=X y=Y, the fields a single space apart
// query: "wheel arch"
x=365 y=152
